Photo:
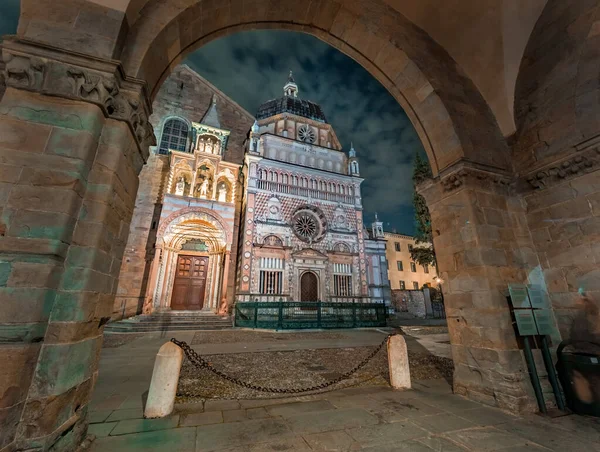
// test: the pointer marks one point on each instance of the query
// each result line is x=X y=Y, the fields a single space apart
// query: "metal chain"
x=201 y=363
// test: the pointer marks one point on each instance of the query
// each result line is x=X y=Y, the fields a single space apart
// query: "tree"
x=423 y=253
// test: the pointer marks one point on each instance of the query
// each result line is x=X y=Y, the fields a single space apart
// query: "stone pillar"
x=222 y=308
x=482 y=245
x=73 y=138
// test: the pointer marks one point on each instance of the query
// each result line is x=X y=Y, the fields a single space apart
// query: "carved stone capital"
x=47 y=70
x=468 y=175
x=585 y=158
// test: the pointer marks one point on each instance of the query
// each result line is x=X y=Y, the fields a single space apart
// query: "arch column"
x=73 y=138
x=482 y=244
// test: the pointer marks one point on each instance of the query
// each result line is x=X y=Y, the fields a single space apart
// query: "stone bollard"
x=398 y=362
x=163 y=387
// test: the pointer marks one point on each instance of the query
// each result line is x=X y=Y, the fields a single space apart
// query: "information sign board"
x=544 y=322
x=538 y=297
x=525 y=322
x=518 y=296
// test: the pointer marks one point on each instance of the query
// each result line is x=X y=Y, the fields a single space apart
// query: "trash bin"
x=579 y=374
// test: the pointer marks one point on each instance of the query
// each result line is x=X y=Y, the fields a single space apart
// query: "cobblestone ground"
x=297 y=369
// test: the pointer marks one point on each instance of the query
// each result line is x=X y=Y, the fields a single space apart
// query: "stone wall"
x=184 y=94
x=564 y=220
x=556 y=104
x=411 y=302
x=140 y=250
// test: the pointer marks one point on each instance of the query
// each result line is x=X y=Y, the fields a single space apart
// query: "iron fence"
x=438 y=310
x=305 y=315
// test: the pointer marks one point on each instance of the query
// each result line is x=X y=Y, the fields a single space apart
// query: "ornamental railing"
x=304 y=191
x=294 y=315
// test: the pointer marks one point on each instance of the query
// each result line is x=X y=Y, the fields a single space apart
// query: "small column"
x=398 y=362
x=223 y=304
x=163 y=386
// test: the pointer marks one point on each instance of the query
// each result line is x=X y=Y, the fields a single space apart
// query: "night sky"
x=252 y=67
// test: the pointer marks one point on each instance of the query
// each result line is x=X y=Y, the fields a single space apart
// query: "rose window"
x=308 y=224
x=306 y=134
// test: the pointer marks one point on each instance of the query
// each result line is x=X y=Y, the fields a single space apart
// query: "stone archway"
x=81 y=116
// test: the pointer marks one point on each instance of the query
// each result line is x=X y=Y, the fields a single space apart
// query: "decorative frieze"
x=466 y=175
x=576 y=165
x=46 y=70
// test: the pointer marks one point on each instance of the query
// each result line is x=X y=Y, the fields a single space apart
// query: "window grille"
x=402 y=285
x=174 y=136
x=415 y=285
x=342 y=280
x=271 y=276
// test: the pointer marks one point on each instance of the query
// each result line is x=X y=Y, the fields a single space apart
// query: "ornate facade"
x=295 y=191
x=302 y=237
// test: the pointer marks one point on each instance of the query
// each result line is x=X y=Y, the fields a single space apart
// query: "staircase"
x=170 y=321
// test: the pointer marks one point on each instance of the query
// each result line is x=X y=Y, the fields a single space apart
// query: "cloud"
x=252 y=67
x=9 y=16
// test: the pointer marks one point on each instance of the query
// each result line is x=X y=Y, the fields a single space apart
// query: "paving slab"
x=441 y=423
x=101 y=430
x=296 y=444
x=324 y=421
x=486 y=439
x=487 y=416
x=438 y=444
x=144 y=425
x=119 y=415
x=257 y=413
x=211 y=417
x=382 y=434
x=95 y=417
x=220 y=436
x=221 y=405
x=291 y=409
x=541 y=432
x=175 y=440
x=234 y=416
x=338 y=440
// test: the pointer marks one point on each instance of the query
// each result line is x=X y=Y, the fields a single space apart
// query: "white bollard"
x=398 y=363
x=163 y=387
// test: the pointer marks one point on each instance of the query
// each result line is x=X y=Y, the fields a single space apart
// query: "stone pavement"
x=427 y=418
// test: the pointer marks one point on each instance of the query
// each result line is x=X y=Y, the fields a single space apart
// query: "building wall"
x=187 y=95
x=377 y=271
x=406 y=275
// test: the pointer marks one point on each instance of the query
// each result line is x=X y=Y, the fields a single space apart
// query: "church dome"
x=293 y=105
x=290 y=103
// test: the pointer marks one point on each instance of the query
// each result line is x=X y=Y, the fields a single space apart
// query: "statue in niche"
x=180 y=186
x=204 y=189
x=209 y=147
x=201 y=145
x=222 y=192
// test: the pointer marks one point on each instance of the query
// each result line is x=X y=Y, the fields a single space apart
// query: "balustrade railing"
x=304 y=191
x=304 y=315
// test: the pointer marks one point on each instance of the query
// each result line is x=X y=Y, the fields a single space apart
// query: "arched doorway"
x=309 y=287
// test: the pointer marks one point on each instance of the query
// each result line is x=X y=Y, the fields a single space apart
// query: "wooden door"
x=190 y=283
x=309 y=287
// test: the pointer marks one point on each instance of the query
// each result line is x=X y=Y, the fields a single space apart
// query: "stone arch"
x=557 y=101
x=450 y=116
x=194 y=213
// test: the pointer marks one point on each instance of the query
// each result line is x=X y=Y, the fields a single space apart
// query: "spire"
x=211 y=118
x=290 y=88
x=352 y=152
x=376 y=219
x=255 y=128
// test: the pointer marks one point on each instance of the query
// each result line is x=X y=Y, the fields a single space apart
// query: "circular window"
x=308 y=224
x=306 y=134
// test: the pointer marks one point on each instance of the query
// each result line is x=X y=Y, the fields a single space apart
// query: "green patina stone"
x=5 y=269
x=23 y=332
x=63 y=366
x=67 y=308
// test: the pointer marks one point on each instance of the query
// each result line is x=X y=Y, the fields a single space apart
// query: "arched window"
x=174 y=136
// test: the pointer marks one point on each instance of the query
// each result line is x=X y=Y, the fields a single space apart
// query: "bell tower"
x=353 y=168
